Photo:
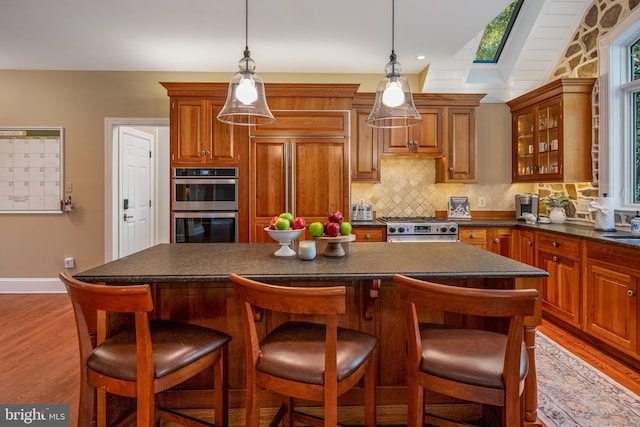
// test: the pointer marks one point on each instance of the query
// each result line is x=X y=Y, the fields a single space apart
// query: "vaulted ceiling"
x=291 y=36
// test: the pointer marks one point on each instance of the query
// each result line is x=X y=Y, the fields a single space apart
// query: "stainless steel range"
x=420 y=229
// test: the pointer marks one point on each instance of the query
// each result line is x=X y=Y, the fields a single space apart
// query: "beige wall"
x=34 y=245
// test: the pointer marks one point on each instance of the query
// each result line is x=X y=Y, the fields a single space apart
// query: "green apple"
x=282 y=224
x=345 y=228
x=287 y=215
x=316 y=229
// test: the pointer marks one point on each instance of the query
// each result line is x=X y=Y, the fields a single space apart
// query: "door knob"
x=126 y=217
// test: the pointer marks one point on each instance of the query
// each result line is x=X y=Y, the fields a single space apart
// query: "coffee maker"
x=526 y=203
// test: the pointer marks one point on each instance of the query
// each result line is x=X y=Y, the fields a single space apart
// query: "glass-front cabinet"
x=552 y=133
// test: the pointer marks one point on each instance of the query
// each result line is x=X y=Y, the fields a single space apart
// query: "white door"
x=135 y=201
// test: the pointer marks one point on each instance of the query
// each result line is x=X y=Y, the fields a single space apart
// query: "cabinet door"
x=612 y=305
x=426 y=139
x=189 y=144
x=268 y=180
x=459 y=162
x=502 y=241
x=320 y=177
x=198 y=137
x=365 y=149
x=523 y=145
x=561 y=290
x=526 y=247
x=548 y=141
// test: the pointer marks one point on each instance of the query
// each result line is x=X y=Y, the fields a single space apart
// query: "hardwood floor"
x=40 y=362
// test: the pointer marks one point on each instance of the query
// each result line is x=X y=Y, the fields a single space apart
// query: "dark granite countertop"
x=621 y=237
x=373 y=223
x=212 y=262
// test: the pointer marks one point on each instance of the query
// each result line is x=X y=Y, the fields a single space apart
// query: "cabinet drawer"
x=369 y=234
x=472 y=235
x=555 y=243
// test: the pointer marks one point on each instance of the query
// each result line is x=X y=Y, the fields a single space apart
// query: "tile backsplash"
x=408 y=188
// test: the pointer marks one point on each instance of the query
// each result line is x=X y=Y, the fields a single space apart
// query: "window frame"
x=616 y=112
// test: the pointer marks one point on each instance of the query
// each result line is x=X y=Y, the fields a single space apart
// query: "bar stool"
x=143 y=360
x=469 y=364
x=300 y=359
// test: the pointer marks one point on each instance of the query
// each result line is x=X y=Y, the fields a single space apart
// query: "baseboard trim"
x=31 y=286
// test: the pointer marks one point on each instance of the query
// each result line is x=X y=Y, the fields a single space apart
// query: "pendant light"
x=393 y=107
x=246 y=102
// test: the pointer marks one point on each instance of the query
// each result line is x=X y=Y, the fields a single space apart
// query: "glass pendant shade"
x=246 y=103
x=393 y=107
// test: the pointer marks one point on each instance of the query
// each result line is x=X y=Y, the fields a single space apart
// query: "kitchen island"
x=190 y=283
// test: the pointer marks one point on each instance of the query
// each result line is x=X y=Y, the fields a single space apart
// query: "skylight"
x=496 y=34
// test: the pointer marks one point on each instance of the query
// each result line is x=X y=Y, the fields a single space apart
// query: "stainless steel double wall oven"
x=204 y=205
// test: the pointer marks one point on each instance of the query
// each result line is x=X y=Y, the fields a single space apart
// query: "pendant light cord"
x=246 y=24
x=393 y=57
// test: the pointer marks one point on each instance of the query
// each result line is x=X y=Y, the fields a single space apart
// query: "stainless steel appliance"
x=211 y=189
x=420 y=229
x=204 y=205
x=362 y=212
x=526 y=203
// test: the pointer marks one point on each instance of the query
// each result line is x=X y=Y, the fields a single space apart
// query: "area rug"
x=573 y=393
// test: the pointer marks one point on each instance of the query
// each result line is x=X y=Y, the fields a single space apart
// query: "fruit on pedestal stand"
x=336 y=216
x=345 y=228
x=287 y=215
x=316 y=229
x=333 y=229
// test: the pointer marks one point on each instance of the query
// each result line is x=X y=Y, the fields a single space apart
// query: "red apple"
x=326 y=224
x=272 y=223
x=333 y=229
x=336 y=216
x=298 y=223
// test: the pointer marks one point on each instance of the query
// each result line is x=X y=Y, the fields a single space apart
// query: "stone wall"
x=580 y=59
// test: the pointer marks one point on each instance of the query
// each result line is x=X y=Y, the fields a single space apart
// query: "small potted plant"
x=556 y=203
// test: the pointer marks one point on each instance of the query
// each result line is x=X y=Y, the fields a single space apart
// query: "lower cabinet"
x=611 y=301
x=560 y=257
x=475 y=236
x=495 y=239
x=370 y=234
x=524 y=246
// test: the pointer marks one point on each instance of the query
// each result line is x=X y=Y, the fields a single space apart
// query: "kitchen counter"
x=620 y=237
x=188 y=262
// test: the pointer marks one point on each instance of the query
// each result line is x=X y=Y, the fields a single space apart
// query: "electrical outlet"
x=482 y=202
x=69 y=262
x=68 y=187
x=583 y=205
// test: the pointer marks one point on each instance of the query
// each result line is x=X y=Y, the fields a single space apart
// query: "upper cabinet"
x=198 y=138
x=447 y=132
x=552 y=132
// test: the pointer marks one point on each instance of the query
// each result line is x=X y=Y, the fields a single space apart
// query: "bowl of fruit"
x=284 y=229
x=334 y=232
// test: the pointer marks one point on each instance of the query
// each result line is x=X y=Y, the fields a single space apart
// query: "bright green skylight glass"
x=496 y=34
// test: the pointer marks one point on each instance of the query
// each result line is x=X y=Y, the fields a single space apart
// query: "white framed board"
x=31 y=170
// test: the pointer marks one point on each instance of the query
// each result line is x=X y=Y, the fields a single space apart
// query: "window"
x=619 y=58
x=496 y=34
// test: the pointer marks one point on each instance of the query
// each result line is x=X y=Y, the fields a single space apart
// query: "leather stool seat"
x=467 y=356
x=175 y=345
x=296 y=351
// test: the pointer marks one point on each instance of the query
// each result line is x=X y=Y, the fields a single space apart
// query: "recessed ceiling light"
x=420 y=57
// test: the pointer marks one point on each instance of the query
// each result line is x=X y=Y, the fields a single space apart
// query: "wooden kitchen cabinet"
x=370 y=234
x=366 y=142
x=525 y=246
x=495 y=239
x=459 y=162
x=560 y=256
x=502 y=241
x=611 y=300
x=552 y=132
x=197 y=137
x=425 y=139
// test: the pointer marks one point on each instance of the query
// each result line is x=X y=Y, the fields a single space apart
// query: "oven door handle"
x=205 y=181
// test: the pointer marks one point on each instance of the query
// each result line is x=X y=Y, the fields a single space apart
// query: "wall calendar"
x=31 y=170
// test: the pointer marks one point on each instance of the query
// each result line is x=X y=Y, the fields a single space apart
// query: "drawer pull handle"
x=473 y=235
x=555 y=244
x=367 y=236
x=555 y=258
x=630 y=293
x=496 y=240
x=530 y=243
